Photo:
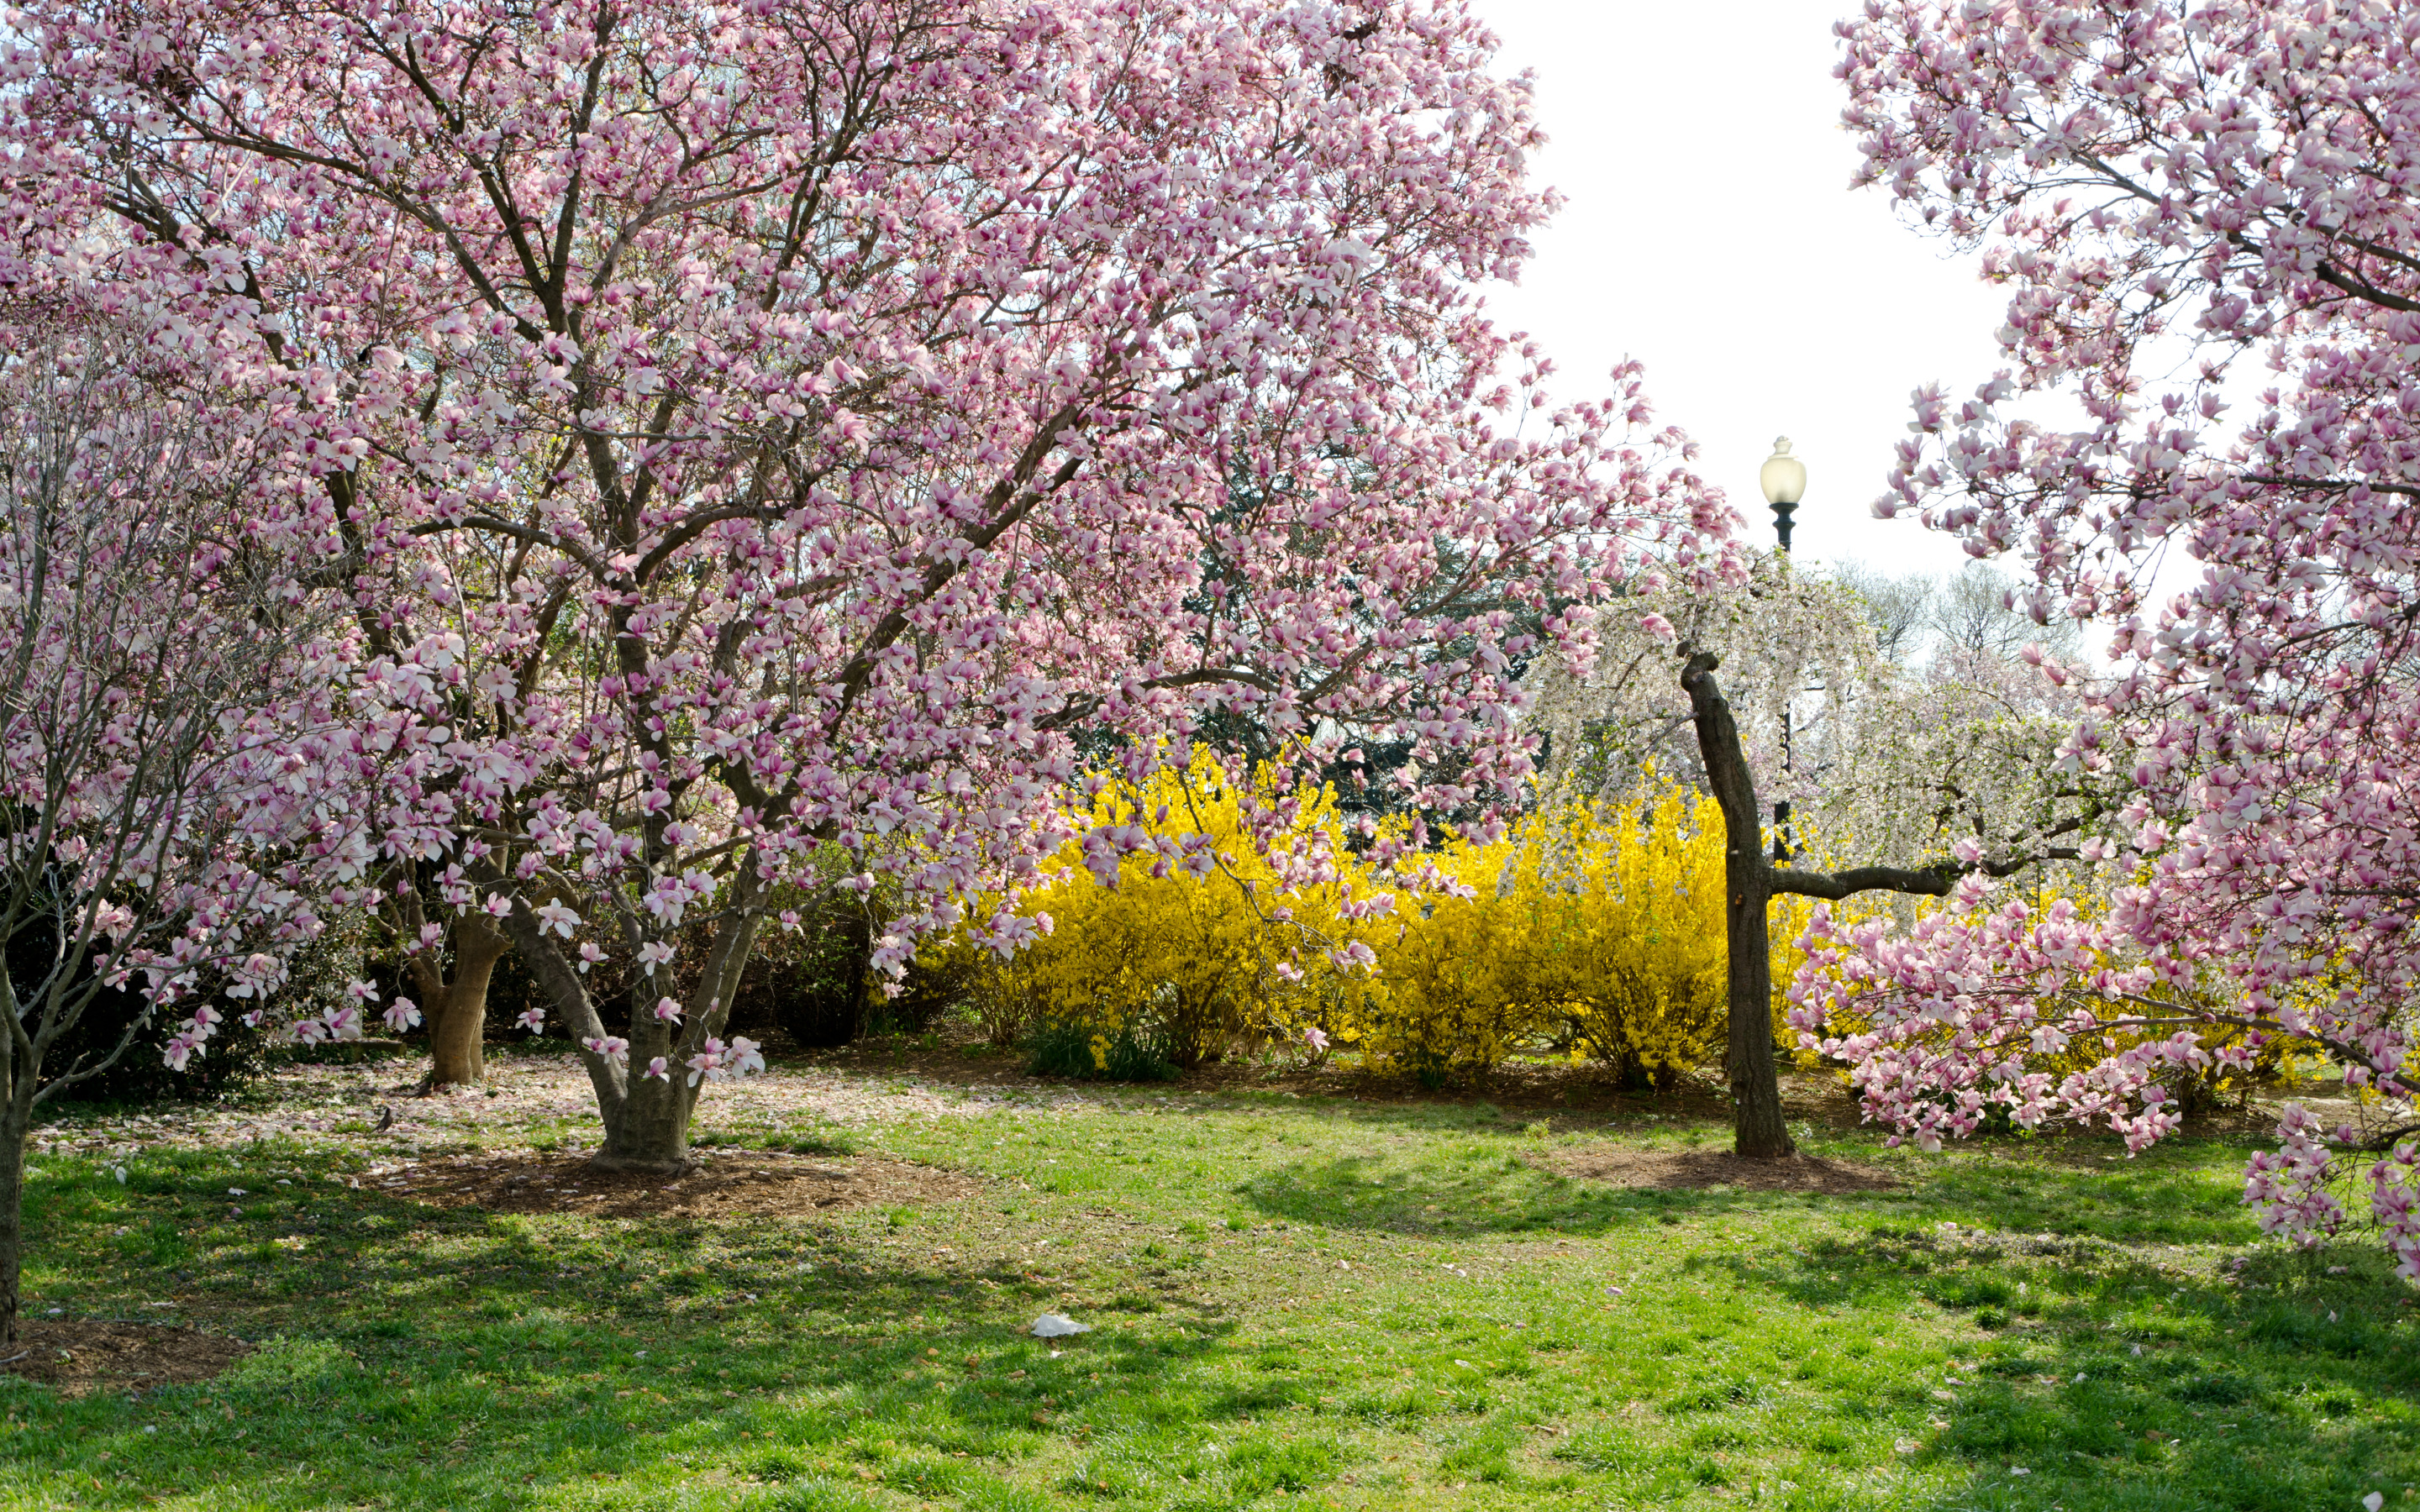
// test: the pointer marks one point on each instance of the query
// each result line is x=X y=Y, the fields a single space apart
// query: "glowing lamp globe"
x=1783 y=478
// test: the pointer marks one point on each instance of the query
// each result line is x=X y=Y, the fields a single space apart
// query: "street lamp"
x=1783 y=478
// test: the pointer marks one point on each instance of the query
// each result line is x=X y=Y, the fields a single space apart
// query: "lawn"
x=1295 y=1301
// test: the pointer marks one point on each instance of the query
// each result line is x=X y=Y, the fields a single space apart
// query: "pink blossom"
x=715 y=1060
x=613 y=1047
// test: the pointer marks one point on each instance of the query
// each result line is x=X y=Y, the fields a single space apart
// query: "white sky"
x=1710 y=232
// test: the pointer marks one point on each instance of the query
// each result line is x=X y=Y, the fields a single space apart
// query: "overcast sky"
x=1711 y=233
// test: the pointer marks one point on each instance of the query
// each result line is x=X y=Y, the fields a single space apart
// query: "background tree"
x=1974 y=612
x=1792 y=641
x=753 y=436
x=2172 y=193
x=171 y=762
x=1897 y=608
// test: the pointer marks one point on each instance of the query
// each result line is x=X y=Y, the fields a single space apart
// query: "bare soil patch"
x=1695 y=1170
x=732 y=1184
x=83 y=1355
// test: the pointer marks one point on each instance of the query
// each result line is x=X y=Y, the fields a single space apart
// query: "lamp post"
x=1783 y=478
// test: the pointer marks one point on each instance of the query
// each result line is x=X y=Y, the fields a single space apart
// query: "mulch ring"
x=88 y=1354
x=728 y=1184
x=1699 y=1170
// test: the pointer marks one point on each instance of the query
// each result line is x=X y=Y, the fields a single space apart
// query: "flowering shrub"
x=1594 y=929
x=1461 y=981
x=1644 y=950
x=1189 y=957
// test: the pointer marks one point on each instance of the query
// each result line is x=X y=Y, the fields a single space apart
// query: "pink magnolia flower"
x=1317 y=1039
x=613 y=1047
x=533 y=1019
x=401 y=1015
x=745 y=1057
x=181 y=1049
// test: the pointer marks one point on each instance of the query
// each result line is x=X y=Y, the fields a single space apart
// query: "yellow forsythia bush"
x=1458 y=984
x=1170 y=965
x=1594 y=931
x=1646 y=962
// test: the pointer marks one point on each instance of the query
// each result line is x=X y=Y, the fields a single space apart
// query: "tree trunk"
x=1756 y=1088
x=458 y=1020
x=1757 y=1129
x=652 y=1133
x=646 y=1118
x=14 y=1125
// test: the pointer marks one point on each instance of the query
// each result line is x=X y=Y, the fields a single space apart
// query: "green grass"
x=1297 y=1304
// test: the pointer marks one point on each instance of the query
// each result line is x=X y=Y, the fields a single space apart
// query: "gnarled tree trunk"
x=458 y=1006
x=1758 y=1127
x=454 y=1002
x=646 y=1115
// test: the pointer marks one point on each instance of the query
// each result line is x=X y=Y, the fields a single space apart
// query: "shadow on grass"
x=423 y=1357
x=2183 y=1195
x=1497 y=1194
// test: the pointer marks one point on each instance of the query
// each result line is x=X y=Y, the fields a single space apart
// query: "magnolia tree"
x=174 y=746
x=1919 y=775
x=756 y=440
x=2168 y=191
